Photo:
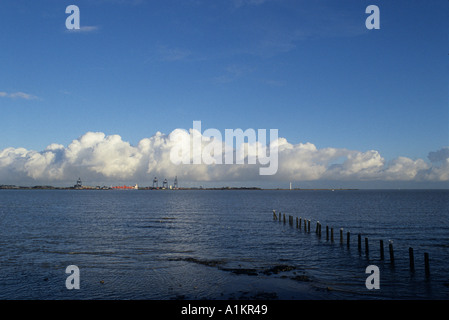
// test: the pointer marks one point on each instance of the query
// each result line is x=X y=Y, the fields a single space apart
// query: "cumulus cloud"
x=96 y=156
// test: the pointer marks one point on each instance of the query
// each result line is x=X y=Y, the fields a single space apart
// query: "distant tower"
x=155 y=182
x=165 y=184
x=175 y=185
x=79 y=184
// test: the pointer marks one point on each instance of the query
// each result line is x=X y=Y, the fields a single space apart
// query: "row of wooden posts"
x=330 y=235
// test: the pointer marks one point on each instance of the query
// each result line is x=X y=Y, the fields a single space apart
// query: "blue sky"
x=310 y=69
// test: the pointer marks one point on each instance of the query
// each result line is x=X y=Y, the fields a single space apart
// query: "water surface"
x=220 y=244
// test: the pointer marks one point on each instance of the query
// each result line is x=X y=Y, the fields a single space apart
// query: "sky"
x=353 y=107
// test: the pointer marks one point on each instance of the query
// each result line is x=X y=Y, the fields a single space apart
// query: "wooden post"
x=381 y=249
x=341 y=235
x=284 y=218
x=316 y=229
x=412 y=259
x=366 y=246
x=426 y=263
x=319 y=231
x=327 y=232
x=297 y=223
x=305 y=225
x=274 y=215
x=308 y=225
x=300 y=222
x=390 y=246
x=359 y=237
x=348 y=235
x=280 y=217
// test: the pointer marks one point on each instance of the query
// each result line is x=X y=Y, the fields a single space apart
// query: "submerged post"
x=327 y=232
x=341 y=235
x=300 y=222
x=274 y=215
x=348 y=235
x=308 y=225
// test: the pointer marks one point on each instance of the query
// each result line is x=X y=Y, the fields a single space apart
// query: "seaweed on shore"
x=248 y=272
x=209 y=263
x=277 y=269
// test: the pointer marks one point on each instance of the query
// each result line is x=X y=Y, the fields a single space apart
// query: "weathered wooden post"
x=274 y=215
x=348 y=236
x=327 y=232
x=426 y=264
x=412 y=259
x=308 y=225
x=390 y=246
x=341 y=235
x=381 y=249
x=300 y=222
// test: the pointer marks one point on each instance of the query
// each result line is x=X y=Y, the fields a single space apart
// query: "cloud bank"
x=103 y=158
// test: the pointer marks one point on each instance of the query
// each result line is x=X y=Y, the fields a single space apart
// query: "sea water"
x=221 y=244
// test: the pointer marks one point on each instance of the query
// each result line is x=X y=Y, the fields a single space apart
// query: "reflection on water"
x=205 y=244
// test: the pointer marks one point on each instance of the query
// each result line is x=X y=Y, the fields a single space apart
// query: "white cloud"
x=83 y=29
x=241 y=3
x=173 y=54
x=17 y=95
x=99 y=157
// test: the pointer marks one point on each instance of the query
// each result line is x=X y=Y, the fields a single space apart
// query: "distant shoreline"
x=14 y=187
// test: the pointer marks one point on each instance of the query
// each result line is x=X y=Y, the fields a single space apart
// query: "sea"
x=223 y=244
